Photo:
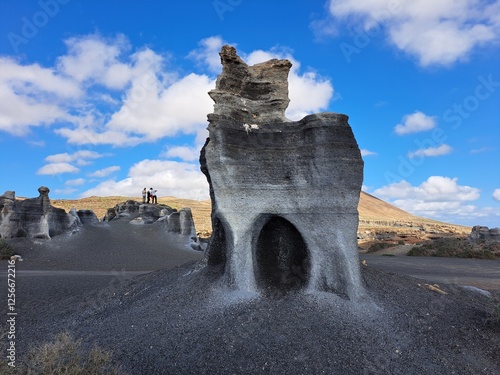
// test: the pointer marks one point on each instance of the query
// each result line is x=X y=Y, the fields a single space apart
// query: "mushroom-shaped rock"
x=284 y=193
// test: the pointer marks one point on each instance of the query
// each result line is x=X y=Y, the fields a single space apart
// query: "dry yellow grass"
x=64 y=355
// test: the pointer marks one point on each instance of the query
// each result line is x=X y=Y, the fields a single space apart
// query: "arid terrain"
x=152 y=301
x=378 y=220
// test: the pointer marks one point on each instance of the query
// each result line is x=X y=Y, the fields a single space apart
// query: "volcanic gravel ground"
x=185 y=321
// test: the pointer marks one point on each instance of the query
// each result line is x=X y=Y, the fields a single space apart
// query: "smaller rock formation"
x=139 y=213
x=126 y=208
x=179 y=222
x=87 y=217
x=187 y=222
x=34 y=217
x=481 y=233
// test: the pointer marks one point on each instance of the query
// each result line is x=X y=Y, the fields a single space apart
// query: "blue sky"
x=108 y=97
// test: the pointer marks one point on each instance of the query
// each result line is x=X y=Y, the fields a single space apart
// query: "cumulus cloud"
x=496 y=195
x=443 y=149
x=79 y=157
x=102 y=92
x=414 y=123
x=161 y=111
x=439 y=32
x=183 y=180
x=93 y=58
x=435 y=188
x=184 y=153
x=30 y=95
x=155 y=102
x=207 y=54
x=104 y=172
x=57 y=168
x=438 y=197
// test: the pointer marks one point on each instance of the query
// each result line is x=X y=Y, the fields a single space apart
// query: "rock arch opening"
x=281 y=257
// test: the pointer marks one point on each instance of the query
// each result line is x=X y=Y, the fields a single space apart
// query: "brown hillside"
x=375 y=215
x=373 y=208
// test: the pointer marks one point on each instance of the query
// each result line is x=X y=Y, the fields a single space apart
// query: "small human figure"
x=144 y=193
x=154 y=198
x=149 y=194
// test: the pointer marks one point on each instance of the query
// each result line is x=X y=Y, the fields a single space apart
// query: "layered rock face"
x=34 y=217
x=284 y=193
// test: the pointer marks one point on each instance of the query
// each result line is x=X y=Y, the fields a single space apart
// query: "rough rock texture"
x=126 y=208
x=87 y=216
x=180 y=222
x=186 y=222
x=284 y=193
x=34 y=217
x=480 y=233
x=250 y=95
x=148 y=213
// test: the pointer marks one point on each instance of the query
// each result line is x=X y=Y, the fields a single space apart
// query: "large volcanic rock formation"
x=284 y=193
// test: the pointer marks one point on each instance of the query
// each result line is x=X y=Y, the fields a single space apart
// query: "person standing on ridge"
x=144 y=193
x=154 y=198
x=149 y=194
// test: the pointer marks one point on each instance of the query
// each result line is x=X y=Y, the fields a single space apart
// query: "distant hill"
x=379 y=220
x=376 y=216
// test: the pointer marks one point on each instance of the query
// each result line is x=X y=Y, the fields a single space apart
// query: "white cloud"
x=95 y=59
x=156 y=103
x=30 y=96
x=75 y=182
x=100 y=92
x=208 y=53
x=443 y=149
x=496 y=195
x=184 y=153
x=414 y=123
x=88 y=135
x=61 y=163
x=183 y=180
x=439 y=32
x=435 y=188
x=104 y=172
x=365 y=152
x=57 y=168
x=165 y=111
x=438 y=197
x=78 y=156
x=308 y=94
